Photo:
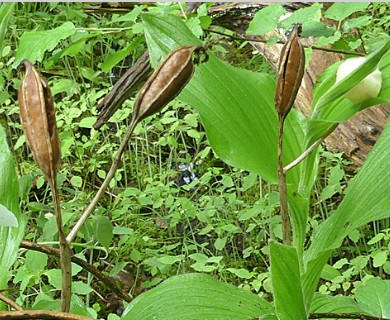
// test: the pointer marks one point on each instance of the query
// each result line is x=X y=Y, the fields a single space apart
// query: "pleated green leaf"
x=237 y=109
x=196 y=297
x=367 y=199
x=10 y=237
x=236 y=106
x=286 y=282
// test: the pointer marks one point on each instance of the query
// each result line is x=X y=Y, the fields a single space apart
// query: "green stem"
x=303 y=156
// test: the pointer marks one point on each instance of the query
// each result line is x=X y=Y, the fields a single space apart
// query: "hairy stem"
x=282 y=184
x=111 y=173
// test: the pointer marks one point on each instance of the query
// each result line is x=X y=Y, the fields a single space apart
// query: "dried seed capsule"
x=38 y=119
x=167 y=81
x=290 y=74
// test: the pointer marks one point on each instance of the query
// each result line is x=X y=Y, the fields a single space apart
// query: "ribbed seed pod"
x=167 y=81
x=290 y=74
x=38 y=119
x=37 y=115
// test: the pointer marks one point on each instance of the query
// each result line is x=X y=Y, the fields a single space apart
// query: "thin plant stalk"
x=282 y=184
x=111 y=173
x=65 y=253
x=290 y=74
x=303 y=156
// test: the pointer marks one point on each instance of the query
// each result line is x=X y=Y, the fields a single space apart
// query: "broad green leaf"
x=250 y=213
x=366 y=199
x=76 y=181
x=46 y=304
x=378 y=237
x=130 y=16
x=236 y=106
x=373 y=297
x=77 y=43
x=34 y=44
x=169 y=260
x=341 y=10
x=196 y=297
x=331 y=39
x=103 y=230
x=87 y=122
x=286 y=282
x=118 y=56
x=265 y=20
x=339 y=264
x=329 y=273
x=25 y=183
x=379 y=258
x=6 y=10
x=118 y=268
x=54 y=277
x=198 y=257
x=7 y=218
x=36 y=261
x=79 y=287
x=306 y=15
x=241 y=273
x=357 y=22
x=237 y=109
x=220 y=243
x=316 y=29
x=77 y=306
x=249 y=181
x=9 y=197
x=325 y=303
x=63 y=85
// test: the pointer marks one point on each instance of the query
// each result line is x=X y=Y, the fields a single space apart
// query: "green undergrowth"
x=174 y=207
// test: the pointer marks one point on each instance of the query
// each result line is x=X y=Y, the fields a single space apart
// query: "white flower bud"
x=368 y=88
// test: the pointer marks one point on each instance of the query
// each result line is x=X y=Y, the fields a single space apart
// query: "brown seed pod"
x=38 y=119
x=290 y=74
x=167 y=81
